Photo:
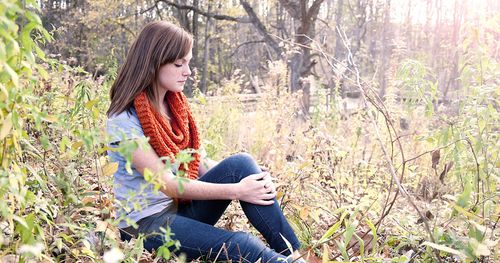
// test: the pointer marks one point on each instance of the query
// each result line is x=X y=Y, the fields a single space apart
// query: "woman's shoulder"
x=129 y=114
x=124 y=122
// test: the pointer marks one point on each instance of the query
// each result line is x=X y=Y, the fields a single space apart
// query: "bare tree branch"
x=292 y=7
x=314 y=9
x=204 y=13
x=261 y=28
x=245 y=43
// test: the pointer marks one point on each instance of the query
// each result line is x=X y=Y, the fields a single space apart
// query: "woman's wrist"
x=234 y=191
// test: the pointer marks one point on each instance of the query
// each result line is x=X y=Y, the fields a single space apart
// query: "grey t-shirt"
x=136 y=197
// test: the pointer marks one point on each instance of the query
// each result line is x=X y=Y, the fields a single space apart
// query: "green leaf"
x=9 y=73
x=361 y=246
x=482 y=124
x=374 y=233
x=65 y=142
x=3 y=53
x=33 y=17
x=20 y=220
x=477 y=231
x=445 y=249
x=6 y=126
x=349 y=233
x=148 y=175
x=343 y=250
x=464 y=198
x=333 y=228
x=25 y=36
x=429 y=109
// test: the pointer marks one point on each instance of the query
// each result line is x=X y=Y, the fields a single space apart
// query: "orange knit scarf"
x=168 y=138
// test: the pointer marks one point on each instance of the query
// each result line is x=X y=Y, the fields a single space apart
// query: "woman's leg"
x=200 y=240
x=268 y=220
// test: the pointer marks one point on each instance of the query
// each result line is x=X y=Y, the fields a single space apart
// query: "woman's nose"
x=187 y=72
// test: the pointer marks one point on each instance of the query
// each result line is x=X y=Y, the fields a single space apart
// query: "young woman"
x=147 y=102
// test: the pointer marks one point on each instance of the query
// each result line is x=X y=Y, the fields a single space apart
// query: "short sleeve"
x=124 y=126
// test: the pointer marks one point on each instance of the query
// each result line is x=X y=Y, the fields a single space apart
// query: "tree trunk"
x=385 y=50
x=300 y=63
x=194 y=61
x=409 y=28
x=195 y=34
x=453 y=82
x=261 y=28
x=203 y=82
x=181 y=15
x=339 y=46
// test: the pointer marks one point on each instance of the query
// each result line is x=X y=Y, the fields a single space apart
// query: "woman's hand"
x=257 y=189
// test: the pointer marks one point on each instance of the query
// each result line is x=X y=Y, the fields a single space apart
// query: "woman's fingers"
x=264 y=202
x=272 y=188
x=269 y=196
x=269 y=184
x=259 y=176
x=260 y=189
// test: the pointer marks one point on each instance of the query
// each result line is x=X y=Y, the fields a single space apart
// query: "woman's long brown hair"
x=158 y=43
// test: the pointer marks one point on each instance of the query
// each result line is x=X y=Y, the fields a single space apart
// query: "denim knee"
x=249 y=247
x=245 y=163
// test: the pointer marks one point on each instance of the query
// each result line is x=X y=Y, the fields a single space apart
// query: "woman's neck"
x=163 y=104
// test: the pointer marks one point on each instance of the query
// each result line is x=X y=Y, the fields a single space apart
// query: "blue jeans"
x=193 y=224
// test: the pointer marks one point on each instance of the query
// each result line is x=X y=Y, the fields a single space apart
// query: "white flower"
x=35 y=250
x=114 y=255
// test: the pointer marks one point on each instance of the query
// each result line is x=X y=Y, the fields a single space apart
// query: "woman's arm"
x=251 y=189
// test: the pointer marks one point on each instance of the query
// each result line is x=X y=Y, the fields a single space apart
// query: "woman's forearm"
x=250 y=189
x=193 y=189
x=198 y=190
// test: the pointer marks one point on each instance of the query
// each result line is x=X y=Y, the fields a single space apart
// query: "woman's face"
x=173 y=76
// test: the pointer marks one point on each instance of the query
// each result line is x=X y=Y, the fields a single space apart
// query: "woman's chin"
x=176 y=89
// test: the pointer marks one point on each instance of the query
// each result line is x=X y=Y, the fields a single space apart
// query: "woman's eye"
x=178 y=65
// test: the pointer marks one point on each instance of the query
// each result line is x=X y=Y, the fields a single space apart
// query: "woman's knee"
x=242 y=157
x=245 y=162
x=233 y=169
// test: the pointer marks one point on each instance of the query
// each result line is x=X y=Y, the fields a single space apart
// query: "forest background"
x=379 y=119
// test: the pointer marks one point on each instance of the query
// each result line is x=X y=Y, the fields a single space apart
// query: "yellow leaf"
x=304 y=213
x=279 y=194
x=101 y=226
x=467 y=213
x=4 y=93
x=89 y=199
x=325 y=258
x=109 y=169
x=51 y=118
x=304 y=165
x=76 y=145
x=103 y=160
x=6 y=126
x=90 y=104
